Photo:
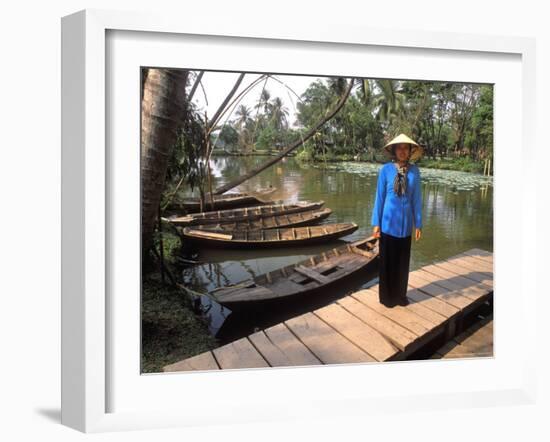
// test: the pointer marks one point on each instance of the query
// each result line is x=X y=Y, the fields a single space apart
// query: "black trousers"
x=394 y=258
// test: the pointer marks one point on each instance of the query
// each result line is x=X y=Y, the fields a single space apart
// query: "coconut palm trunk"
x=291 y=147
x=162 y=107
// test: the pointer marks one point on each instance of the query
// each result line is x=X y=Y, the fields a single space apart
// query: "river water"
x=457 y=215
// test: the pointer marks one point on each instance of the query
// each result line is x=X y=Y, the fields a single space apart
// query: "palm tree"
x=162 y=105
x=279 y=114
x=390 y=101
x=242 y=121
x=263 y=101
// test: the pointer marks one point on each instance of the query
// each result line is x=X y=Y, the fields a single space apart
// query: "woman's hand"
x=418 y=234
x=376 y=232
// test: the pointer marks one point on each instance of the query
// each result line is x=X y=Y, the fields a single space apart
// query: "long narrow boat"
x=302 y=279
x=246 y=213
x=270 y=222
x=269 y=238
x=221 y=202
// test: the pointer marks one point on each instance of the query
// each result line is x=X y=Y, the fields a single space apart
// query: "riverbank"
x=463 y=164
x=171 y=326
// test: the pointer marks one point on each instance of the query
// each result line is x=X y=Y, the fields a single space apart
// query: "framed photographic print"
x=293 y=223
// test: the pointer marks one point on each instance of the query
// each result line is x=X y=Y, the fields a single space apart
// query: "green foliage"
x=188 y=156
x=267 y=138
x=480 y=135
x=228 y=138
x=464 y=164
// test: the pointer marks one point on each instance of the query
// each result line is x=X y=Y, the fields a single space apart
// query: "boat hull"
x=301 y=280
x=226 y=240
x=235 y=215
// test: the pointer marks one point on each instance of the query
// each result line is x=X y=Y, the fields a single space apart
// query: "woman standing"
x=398 y=204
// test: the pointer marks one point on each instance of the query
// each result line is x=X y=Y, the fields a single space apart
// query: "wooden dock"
x=357 y=328
x=476 y=341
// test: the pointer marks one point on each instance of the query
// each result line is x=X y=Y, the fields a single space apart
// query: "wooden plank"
x=270 y=352
x=203 y=361
x=239 y=354
x=430 y=315
x=290 y=345
x=362 y=252
x=427 y=300
x=476 y=292
x=322 y=279
x=397 y=335
x=399 y=314
x=483 y=278
x=480 y=255
x=361 y=334
x=324 y=342
x=207 y=234
x=447 y=275
x=455 y=299
x=433 y=278
x=466 y=297
x=471 y=264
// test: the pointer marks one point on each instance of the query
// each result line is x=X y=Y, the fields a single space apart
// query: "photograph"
x=292 y=220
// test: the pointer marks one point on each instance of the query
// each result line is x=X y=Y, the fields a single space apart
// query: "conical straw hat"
x=416 y=149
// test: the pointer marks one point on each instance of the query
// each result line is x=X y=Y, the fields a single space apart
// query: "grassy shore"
x=171 y=328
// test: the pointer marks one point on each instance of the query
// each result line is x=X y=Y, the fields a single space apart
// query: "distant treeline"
x=451 y=120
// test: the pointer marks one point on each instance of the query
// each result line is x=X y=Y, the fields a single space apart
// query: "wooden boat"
x=302 y=279
x=221 y=202
x=298 y=219
x=246 y=213
x=285 y=237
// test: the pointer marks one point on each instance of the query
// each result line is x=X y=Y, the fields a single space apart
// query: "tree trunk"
x=162 y=107
x=289 y=148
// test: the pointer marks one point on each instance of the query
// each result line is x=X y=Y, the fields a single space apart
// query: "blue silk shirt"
x=396 y=214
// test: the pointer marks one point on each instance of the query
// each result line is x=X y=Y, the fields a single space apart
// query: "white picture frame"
x=87 y=318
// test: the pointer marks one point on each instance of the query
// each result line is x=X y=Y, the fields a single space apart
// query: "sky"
x=218 y=84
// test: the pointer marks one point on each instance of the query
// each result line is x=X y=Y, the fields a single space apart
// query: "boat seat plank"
x=361 y=334
x=324 y=342
x=310 y=273
x=207 y=234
